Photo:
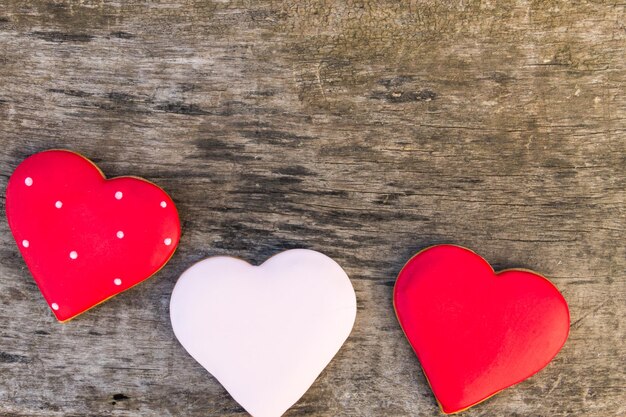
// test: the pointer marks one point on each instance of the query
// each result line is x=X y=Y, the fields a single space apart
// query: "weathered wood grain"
x=364 y=129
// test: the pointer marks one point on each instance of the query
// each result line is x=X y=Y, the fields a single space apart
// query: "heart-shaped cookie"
x=476 y=332
x=265 y=332
x=83 y=237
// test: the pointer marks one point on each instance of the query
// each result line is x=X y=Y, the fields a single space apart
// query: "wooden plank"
x=366 y=130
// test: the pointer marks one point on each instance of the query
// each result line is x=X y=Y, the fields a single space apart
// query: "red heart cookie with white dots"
x=83 y=237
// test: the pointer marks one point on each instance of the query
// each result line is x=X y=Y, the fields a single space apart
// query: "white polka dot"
x=168 y=241
x=163 y=204
x=119 y=195
x=25 y=243
x=120 y=234
x=28 y=181
x=54 y=306
x=58 y=204
x=117 y=281
x=73 y=254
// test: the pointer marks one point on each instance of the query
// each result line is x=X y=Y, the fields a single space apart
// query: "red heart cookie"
x=476 y=332
x=83 y=237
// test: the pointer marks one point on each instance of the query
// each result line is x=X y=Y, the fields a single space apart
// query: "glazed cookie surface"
x=85 y=238
x=477 y=332
x=265 y=332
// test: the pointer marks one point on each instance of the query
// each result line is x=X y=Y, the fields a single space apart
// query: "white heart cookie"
x=265 y=332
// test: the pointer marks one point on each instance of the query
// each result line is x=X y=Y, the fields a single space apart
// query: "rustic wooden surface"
x=365 y=129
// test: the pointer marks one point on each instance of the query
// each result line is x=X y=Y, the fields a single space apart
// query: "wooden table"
x=366 y=130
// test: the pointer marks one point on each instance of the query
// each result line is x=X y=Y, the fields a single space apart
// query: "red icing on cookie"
x=83 y=237
x=476 y=332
